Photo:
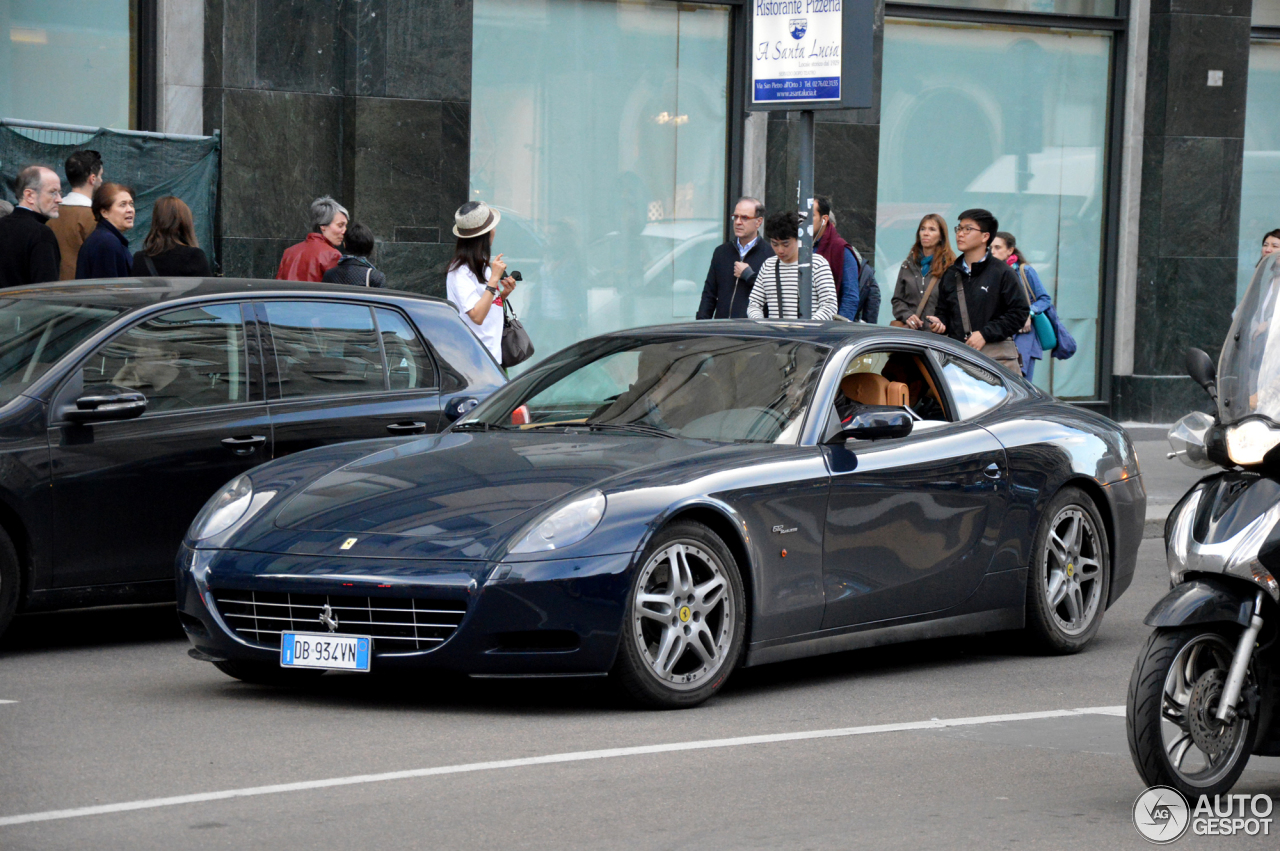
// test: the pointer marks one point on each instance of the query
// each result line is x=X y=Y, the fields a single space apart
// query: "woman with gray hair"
x=318 y=253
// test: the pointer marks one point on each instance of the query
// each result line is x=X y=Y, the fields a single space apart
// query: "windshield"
x=707 y=388
x=1249 y=369
x=34 y=334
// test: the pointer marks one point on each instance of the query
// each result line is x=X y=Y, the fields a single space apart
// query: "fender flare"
x=1204 y=599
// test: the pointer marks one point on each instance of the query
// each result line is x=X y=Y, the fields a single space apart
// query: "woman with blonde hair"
x=916 y=293
x=170 y=249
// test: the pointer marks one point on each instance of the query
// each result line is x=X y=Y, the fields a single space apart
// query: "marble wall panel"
x=1151 y=195
x=1192 y=306
x=1200 y=209
x=366 y=46
x=1239 y=8
x=235 y=43
x=428 y=49
x=1156 y=101
x=455 y=158
x=846 y=164
x=1156 y=398
x=781 y=155
x=300 y=46
x=252 y=258
x=415 y=266
x=1197 y=44
x=280 y=150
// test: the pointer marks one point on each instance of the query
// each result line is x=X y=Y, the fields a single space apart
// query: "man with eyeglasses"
x=990 y=308
x=734 y=265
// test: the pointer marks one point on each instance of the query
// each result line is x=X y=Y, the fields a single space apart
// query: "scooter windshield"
x=1249 y=368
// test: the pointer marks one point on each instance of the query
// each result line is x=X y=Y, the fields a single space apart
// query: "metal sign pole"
x=805 y=302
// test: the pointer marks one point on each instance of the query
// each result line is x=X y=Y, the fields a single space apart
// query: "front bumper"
x=549 y=617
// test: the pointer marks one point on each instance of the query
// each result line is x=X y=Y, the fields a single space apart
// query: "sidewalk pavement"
x=1165 y=479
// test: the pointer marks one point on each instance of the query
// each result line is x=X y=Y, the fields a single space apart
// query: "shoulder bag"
x=924 y=302
x=516 y=345
x=1040 y=323
x=1004 y=352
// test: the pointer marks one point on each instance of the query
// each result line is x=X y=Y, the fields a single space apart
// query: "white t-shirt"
x=465 y=291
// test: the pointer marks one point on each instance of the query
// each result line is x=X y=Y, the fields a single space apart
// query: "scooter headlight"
x=1249 y=442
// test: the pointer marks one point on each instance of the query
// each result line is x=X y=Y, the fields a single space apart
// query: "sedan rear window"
x=34 y=334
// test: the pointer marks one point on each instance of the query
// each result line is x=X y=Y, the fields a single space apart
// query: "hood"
x=458 y=486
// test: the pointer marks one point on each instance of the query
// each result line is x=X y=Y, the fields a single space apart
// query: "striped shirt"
x=765 y=292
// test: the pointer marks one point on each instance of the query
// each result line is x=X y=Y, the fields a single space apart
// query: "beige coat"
x=72 y=227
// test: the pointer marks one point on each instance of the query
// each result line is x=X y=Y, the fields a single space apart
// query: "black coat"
x=181 y=261
x=723 y=295
x=29 y=252
x=105 y=254
x=997 y=307
x=354 y=272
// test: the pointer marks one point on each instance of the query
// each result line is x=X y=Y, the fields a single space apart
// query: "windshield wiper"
x=476 y=425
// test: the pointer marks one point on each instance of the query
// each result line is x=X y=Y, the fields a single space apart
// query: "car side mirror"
x=105 y=402
x=876 y=424
x=1202 y=371
x=459 y=405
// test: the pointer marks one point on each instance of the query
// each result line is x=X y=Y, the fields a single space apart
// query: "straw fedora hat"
x=475 y=218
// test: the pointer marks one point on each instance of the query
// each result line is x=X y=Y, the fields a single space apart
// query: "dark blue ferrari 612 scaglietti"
x=665 y=504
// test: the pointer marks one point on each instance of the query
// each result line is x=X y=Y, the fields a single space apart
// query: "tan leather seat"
x=867 y=388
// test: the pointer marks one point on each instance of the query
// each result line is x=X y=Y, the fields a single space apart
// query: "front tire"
x=683 y=629
x=1070 y=574
x=9 y=588
x=1173 y=737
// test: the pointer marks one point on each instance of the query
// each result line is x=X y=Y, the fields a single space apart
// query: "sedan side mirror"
x=104 y=402
x=877 y=423
x=1202 y=371
x=459 y=405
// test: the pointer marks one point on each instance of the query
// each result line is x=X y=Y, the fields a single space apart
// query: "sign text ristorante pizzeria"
x=797 y=50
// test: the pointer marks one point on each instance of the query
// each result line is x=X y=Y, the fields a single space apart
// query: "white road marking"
x=8 y=701
x=573 y=756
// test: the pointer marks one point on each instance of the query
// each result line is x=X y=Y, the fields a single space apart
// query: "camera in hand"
x=515 y=276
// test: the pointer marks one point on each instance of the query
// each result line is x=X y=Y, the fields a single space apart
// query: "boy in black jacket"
x=734 y=265
x=996 y=306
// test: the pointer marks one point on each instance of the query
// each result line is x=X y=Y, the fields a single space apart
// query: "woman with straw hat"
x=471 y=270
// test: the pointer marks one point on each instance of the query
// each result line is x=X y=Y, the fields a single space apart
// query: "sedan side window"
x=188 y=358
x=974 y=389
x=409 y=364
x=325 y=349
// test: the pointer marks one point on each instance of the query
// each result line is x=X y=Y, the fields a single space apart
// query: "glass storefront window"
x=599 y=130
x=66 y=61
x=1260 y=179
x=1055 y=7
x=1013 y=120
x=1266 y=13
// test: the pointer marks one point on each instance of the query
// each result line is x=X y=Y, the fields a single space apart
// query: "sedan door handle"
x=992 y=471
x=244 y=445
x=407 y=428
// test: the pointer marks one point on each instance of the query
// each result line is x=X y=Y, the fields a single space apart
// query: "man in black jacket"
x=734 y=265
x=996 y=305
x=29 y=252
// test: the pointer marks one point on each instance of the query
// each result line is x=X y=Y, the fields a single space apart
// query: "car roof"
x=135 y=293
x=832 y=333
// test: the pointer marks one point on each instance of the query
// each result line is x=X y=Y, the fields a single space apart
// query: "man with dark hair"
x=75 y=215
x=355 y=268
x=734 y=265
x=777 y=291
x=28 y=249
x=980 y=301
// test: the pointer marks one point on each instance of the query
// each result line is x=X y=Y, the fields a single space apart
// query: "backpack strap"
x=367 y=273
x=964 y=306
x=1026 y=288
x=777 y=285
x=150 y=264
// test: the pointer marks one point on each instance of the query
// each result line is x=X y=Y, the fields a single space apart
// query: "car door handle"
x=244 y=445
x=407 y=428
x=992 y=471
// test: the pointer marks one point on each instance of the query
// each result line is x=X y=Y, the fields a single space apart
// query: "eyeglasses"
x=963 y=229
x=736 y=218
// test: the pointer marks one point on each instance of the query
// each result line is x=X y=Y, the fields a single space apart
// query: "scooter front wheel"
x=1174 y=738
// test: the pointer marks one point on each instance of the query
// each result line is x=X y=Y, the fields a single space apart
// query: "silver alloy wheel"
x=1072 y=570
x=684 y=614
x=1202 y=656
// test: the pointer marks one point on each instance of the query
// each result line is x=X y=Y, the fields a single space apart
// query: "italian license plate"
x=321 y=650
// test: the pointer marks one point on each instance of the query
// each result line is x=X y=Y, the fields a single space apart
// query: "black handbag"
x=516 y=345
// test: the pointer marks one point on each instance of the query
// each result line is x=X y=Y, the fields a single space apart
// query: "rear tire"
x=9 y=581
x=266 y=674
x=1070 y=574
x=683 y=627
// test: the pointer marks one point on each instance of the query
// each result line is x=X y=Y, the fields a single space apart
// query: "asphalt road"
x=109 y=710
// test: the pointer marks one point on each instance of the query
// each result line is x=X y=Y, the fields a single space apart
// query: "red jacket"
x=308 y=260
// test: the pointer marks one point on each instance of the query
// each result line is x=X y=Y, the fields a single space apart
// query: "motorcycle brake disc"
x=1210 y=735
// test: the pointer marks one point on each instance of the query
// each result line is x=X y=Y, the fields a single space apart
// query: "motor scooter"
x=1205 y=689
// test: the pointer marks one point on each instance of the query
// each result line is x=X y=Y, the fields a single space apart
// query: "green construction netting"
x=153 y=166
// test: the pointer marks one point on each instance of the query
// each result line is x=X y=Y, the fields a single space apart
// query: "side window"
x=974 y=389
x=890 y=378
x=325 y=349
x=408 y=363
x=188 y=358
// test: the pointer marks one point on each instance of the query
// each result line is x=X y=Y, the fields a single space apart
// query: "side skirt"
x=94 y=596
x=858 y=637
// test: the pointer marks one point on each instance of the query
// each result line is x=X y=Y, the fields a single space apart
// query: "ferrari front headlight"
x=229 y=506
x=1249 y=442
x=564 y=526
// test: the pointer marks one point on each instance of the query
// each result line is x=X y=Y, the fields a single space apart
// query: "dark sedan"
x=125 y=405
x=665 y=504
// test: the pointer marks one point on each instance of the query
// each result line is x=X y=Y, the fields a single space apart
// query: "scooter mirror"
x=1201 y=369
